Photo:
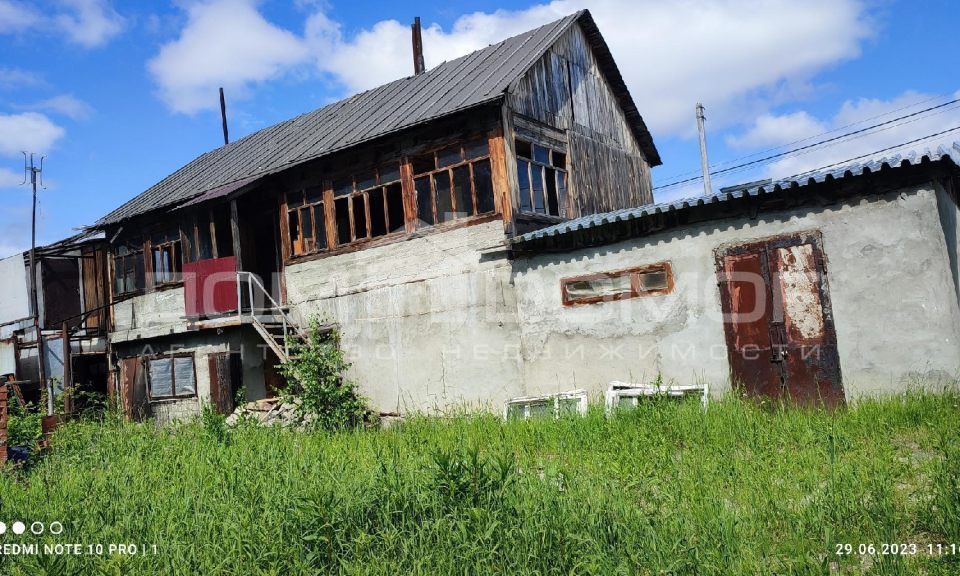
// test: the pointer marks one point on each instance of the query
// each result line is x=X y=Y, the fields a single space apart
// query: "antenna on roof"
x=418 y=65
x=704 y=165
x=223 y=117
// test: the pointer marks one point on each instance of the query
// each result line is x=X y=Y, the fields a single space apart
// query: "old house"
x=72 y=314
x=386 y=213
x=486 y=230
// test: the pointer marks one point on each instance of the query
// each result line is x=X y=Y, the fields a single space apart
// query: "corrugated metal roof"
x=914 y=157
x=472 y=80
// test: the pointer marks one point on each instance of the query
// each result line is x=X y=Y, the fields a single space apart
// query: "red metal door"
x=778 y=322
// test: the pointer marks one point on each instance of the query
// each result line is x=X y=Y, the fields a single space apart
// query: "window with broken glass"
x=618 y=285
x=368 y=204
x=172 y=376
x=166 y=256
x=306 y=222
x=128 y=268
x=542 y=178
x=453 y=182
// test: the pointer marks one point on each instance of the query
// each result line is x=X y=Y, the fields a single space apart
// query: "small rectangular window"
x=461 y=191
x=541 y=154
x=171 y=377
x=553 y=206
x=321 y=221
x=524 y=149
x=523 y=177
x=395 y=207
x=441 y=183
x=536 y=181
x=378 y=221
x=359 y=217
x=483 y=184
x=424 y=202
x=617 y=285
x=342 y=209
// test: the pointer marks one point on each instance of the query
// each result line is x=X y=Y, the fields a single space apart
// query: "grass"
x=663 y=489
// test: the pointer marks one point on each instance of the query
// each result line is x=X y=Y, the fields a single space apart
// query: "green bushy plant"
x=315 y=376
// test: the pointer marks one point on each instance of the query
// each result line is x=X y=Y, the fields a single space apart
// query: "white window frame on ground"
x=526 y=402
x=623 y=390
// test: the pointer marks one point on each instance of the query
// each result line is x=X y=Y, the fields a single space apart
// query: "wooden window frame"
x=449 y=169
x=552 y=150
x=636 y=290
x=119 y=264
x=316 y=209
x=175 y=248
x=379 y=184
x=173 y=376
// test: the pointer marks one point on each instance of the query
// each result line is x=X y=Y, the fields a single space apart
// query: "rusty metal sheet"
x=778 y=321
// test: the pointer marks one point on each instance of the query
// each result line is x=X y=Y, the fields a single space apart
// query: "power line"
x=889 y=124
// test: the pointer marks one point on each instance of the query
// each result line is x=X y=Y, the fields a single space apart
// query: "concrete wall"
x=149 y=315
x=429 y=323
x=950 y=220
x=894 y=303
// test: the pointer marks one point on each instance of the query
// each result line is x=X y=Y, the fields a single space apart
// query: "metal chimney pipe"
x=223 y=117
x=418 y=65
x=704 y=164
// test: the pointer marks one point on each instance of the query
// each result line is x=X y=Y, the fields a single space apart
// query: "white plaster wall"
x=428 y=323
x=894 y=304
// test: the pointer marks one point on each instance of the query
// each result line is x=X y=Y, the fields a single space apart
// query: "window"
x=453 y=182
x=166 y=257
x=623 y=395
x=368 y=204
x=552 y=405
x=619 y=285
x=542 y=178
x=171 y=377
x=208 y=235
x=305 y=220
x=128 y=268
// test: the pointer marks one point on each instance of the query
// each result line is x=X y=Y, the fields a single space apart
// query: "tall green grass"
x=663 y=489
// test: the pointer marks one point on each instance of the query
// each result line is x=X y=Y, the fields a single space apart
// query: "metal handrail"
x=251 y=280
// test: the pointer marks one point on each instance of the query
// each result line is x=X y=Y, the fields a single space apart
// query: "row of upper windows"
x=450 y=183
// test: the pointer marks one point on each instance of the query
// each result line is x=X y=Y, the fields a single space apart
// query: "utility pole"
x=704 y=164
x=34 y=302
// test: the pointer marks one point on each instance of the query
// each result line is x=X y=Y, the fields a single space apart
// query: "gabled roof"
x=565 y=234
x=472 y=80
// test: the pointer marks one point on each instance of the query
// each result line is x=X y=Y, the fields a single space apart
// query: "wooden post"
x=235 y=233
x=3 y=423
x=67 y=371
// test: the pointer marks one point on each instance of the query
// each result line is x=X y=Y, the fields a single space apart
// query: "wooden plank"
x=67 y=370
x=409 y=195
x=235 y=233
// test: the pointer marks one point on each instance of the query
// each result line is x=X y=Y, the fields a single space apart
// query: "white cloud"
x=737 y=56
x=858 y=114
x=16 y=16
x=10 y=178
x=29 y=131
x=64 y=104
x=89 y=23
x=14 y=78
x=772 y=130
x=224 y=43
x=740 y=57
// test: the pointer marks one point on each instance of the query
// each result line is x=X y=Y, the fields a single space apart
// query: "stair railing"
x=275 y=309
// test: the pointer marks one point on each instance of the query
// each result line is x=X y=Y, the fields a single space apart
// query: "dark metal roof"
x=472 y=80
x=530 y=240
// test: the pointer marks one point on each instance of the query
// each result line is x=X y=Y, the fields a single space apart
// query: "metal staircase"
x=269 y=319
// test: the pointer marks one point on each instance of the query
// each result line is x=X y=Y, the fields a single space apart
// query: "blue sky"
x=120 y=94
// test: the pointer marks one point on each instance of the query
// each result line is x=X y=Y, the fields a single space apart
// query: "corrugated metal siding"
x=915 y=157
x=472 y=80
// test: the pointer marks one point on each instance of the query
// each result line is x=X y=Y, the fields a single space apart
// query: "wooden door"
x=133 y=388
x=778 y=321
x=222 y=375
